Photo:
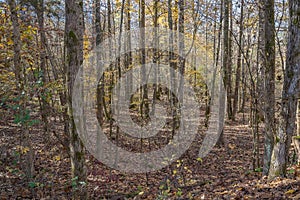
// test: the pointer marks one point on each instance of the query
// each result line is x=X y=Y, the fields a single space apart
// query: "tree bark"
x=100 y=86
x=221 y=27
x=128 y=59
x=269 y=82
x=290 y=95
x=74 y=30
x=39 y=7
x=239 y=64
x=226 y=55
x=144 y=104
x=229 y=64
x=298 y=118
x=172 y=66
x=181 y=47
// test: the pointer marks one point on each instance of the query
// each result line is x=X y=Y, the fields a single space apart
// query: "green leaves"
x=23 y=117
x=260 y=169
x=35 y=184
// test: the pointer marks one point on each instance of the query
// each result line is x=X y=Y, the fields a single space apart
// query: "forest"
x=140 y=99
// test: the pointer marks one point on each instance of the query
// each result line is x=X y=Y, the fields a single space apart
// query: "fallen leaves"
x=218 y=176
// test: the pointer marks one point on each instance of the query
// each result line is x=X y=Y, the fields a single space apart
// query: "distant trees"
x=22 y=116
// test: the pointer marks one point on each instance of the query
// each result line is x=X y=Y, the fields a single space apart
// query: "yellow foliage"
x=57 y=158
x=22 y=150
x=290 y=191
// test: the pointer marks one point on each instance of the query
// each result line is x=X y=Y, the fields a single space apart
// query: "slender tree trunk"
x=226 y=54
x=99 y=38
x=109 y=29
x=296 y=139
x=128 y=60
x=260 y=81
x=229 y=64
x=290 y=95
x=226 y=61
x=142 y=24
x=239 y=63
x=298 y=118
x=269 y=81
x=155 y=56
x=42 y=97
x=221 y=138
x=172 y=66
x=181 y=45
x=74 y=31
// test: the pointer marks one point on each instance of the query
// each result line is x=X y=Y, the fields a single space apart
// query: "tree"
x=227 y=55
x=239 y=63
x=144 y=106
x=74 y=30
x=39 y=9
x=226 y=60
x=298 y=118
x=290 y=95
x=269 y=81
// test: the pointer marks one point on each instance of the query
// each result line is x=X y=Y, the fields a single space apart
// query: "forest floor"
x=226 y=173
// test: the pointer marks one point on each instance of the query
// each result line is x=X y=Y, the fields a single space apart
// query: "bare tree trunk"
x=99 y=38
x=142 y=24
x=39 y=7
x=74 y=31
x=155 y=56
x=298 y=118
x=172 y=66
x=290 y=94
x=181 y=47
x=226 y=61
x=110 y=32
x=269 y=81
x=229 y=64
x=128 y=60
x=239 y=64
x=221 y=138
x=296 y=139
x=226 y=49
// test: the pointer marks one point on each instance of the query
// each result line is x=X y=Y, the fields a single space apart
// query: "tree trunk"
x=221 y=138
x=128 y=59
x=229 y=64
x=298 y=118
x=142 y=24
x=100 y=86
x=181 y=43
x=155 y=56
x=42 y=97
x=239 y=64
x=226 y=54
x=269 y=82
x=226 y=62
x=290 y=94
x=172 y=66
x=74 y=30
